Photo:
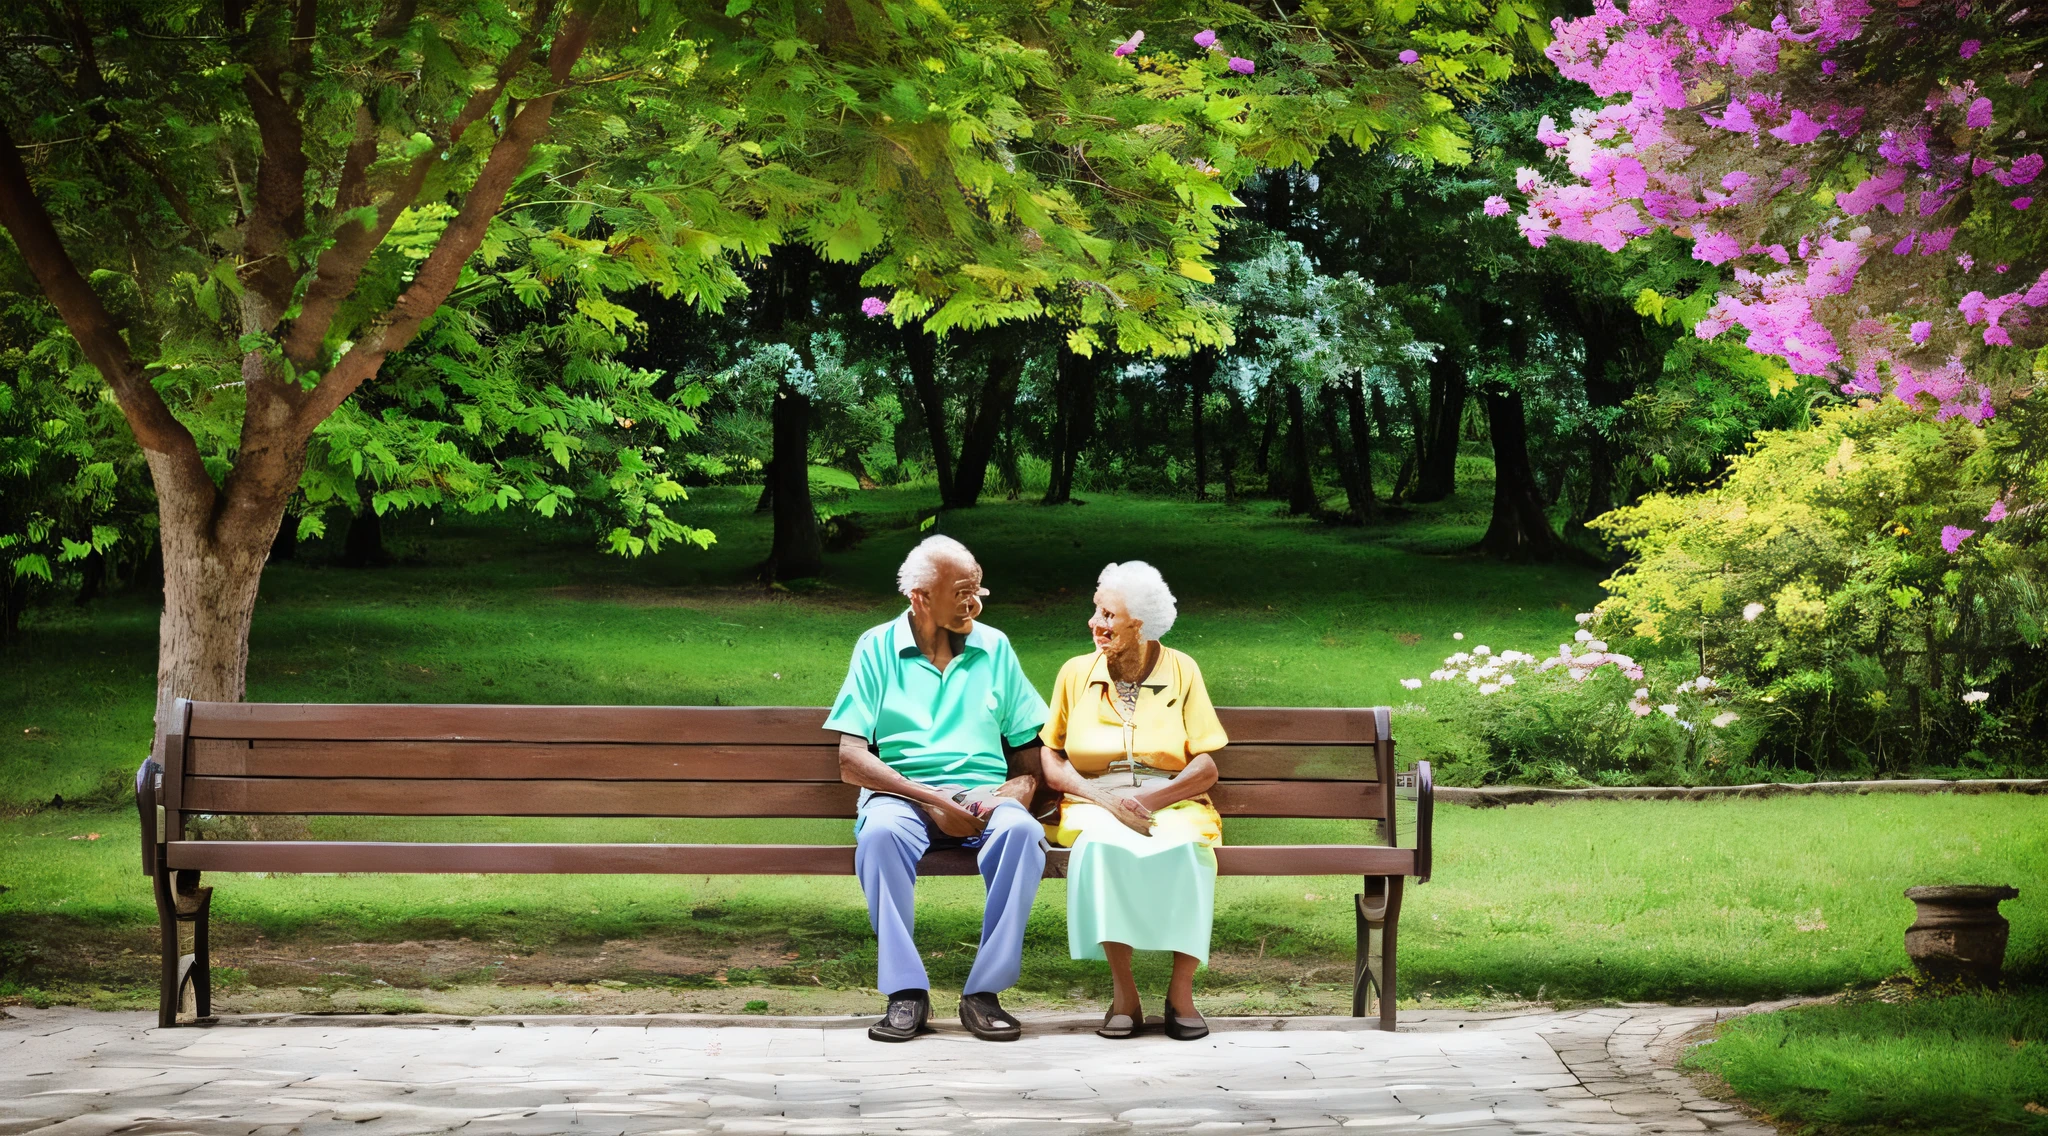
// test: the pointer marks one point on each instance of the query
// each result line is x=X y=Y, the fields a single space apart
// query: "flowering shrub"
x=1841 y=585
x=1587 y=714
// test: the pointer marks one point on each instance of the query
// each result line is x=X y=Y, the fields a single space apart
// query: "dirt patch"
x=463 y=961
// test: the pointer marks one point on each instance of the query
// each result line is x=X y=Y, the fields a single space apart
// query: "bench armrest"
x=148 y=792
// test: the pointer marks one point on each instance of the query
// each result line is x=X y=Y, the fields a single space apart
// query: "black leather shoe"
x=986 y=1019
x=905 y=1018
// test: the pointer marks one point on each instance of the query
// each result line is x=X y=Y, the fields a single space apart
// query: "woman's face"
x=1112 y=626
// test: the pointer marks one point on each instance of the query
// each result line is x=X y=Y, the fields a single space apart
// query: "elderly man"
x=933 y=703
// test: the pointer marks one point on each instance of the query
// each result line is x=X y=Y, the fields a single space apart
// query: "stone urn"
x=1958 y=933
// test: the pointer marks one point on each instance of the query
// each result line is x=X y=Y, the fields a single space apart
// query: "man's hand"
x=953 y=818
x=1021 y=789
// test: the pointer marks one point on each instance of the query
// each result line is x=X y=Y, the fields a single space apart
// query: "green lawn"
x=1724 y=901
x=1279 y=611
x=1963 y=1065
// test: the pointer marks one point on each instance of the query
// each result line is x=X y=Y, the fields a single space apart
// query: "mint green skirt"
x=1152 y=893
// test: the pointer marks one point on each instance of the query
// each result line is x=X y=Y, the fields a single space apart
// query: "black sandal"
x=1117 y=1026
x=1185 y=1029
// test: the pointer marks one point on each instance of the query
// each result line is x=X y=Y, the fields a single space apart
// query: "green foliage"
x=1813 y=584
x=1962 y=1065
x=73 y=485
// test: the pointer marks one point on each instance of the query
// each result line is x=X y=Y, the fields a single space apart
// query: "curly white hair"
x=921 y=568
x=1144 y=593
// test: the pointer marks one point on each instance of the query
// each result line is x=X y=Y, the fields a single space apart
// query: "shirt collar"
x=904 y=642
x=1098 y=672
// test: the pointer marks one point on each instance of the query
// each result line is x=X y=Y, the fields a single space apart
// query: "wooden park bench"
x=249 y=758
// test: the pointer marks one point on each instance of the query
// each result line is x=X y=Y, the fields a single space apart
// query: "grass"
x=1724 y=901
x=1964 y=1064
x=1280 y=611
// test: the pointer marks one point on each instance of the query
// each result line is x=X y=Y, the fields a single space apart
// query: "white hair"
x=1144 y=593
x=921 y=568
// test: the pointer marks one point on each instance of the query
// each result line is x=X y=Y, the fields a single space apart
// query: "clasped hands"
x=962 y=821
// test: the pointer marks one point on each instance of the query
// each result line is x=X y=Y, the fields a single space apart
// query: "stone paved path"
x=1582 y=1073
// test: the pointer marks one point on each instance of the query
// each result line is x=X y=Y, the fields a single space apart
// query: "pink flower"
x=1546 y=133
x=1715 y=248
x=2022 y=202
x=873 y=306
x=1241 y=65
x=1882 y=189
x=1130 y=45
x=1617 y=175
x=1997 y=512
x=1828 y=66
x=1921 y=330
x=1971 y=47
x=1800 y=130
x=1496 y=206
x=1206 y=39
x=1979 y=116
x=1410 y=56
x=1952 y=538
x=1526 y=179
x=1966 y=262
x=2024 y=169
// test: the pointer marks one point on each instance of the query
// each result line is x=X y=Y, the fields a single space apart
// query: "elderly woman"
x=1128 y=741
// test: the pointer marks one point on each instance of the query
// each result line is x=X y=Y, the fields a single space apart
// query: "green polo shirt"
x=938 y=729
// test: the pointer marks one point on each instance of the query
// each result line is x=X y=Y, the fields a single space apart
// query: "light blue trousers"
x=889 y=838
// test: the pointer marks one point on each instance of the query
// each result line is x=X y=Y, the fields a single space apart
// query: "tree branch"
x=279 y=218
x=25 y=219
x=341 y=265
x=442 y=269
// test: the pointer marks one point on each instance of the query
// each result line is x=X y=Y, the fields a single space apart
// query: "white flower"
x=1725 y=719
x=1583 y=618
x=1598 y=645
x=1439 y=676
x=1459 y=635
x=1669 y=710
x=1976 y=696
x=1489 y=688
x=1412 y=683
x=1751 y=611
x=1507 y=680
x=1459 y=658
x=1578 y=675
x=1482 y=649
x=1582 y=636
x=1642 y=692
x=1620 y=660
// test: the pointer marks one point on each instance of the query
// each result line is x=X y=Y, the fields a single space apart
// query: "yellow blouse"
x=1175 y=719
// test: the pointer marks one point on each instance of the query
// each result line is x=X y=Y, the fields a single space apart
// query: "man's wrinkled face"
x=954 y=596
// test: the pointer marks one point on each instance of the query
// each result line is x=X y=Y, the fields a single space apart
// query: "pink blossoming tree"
x=1862 y=171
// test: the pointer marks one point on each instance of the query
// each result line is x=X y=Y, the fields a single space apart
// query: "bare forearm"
x=859 y=767
x=1198 y=778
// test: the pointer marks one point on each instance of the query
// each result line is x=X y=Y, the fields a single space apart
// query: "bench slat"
x=709 y=859
x=703 y=725
x=343 y=797
x=599 y=761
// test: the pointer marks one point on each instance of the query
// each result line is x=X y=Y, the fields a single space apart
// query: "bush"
x=1860 y=589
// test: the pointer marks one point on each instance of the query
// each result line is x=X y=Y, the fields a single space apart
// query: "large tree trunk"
x=1357 y=492
x=799 y=548
x=1520 y=530
x=1005 y=366
x=1201 y=369
x=1436 y=475
x=1073 y=420
x=1301 y=489
x=1361 y=448
x=921 y=352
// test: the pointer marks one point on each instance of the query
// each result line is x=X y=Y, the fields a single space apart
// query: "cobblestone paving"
x=1583 y=1073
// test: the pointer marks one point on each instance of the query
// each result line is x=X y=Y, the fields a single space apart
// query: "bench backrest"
x=662 y=761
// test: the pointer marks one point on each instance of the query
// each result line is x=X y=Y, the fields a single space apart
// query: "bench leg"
x=1379 y=913
x=167 y=935
x=180 y=899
